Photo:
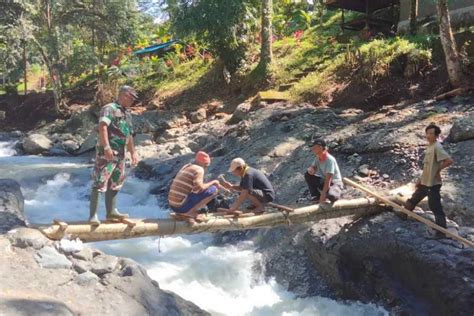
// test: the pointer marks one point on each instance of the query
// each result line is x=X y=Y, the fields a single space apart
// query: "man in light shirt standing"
x=436 y=159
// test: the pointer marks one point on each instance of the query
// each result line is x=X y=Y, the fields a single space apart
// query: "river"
x=224 y=280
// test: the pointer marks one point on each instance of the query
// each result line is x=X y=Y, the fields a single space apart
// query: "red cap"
x=203 y=158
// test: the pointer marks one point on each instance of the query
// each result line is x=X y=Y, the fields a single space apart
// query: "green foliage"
x=226 y=25
x=290 y=16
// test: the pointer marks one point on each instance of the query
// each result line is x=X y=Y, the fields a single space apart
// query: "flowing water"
x=220 y=279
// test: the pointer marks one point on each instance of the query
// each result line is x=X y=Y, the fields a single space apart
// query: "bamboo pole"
x=163 y=227
x=417 y=217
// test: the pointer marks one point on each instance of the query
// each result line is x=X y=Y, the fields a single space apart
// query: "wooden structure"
x=272 y=96
x=212 y=224
x=220 y=222
x=368 y=7
x=460 y=11
x=411 y=214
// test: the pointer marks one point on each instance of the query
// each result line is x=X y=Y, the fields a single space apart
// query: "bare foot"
x=259 y=210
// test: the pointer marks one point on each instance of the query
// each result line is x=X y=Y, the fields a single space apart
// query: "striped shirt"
x=189 y=179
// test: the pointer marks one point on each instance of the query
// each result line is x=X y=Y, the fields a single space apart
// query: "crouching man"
x=254 y=186
x=188 y=192
x=323 y=176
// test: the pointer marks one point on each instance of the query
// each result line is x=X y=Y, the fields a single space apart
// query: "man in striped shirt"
x=188 y=192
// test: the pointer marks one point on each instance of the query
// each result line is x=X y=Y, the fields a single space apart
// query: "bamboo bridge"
x=275 y=215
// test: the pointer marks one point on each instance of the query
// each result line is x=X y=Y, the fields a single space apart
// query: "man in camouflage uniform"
x=115 y=137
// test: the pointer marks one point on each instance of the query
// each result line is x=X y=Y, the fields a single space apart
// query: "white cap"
x=236 y=163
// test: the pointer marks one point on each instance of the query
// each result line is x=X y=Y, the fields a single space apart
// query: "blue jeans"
x=193 y=199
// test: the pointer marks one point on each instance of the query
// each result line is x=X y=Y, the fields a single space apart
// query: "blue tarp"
x=155 y=48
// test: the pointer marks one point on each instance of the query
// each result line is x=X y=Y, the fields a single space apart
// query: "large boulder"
x=36 y=144
x=157 y=121
x=397 y=262
x=11 y=205
x=463 y=129
x=89 y=143
x=81 y=123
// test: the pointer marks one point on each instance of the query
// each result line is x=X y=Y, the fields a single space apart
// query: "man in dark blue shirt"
x=254 y=186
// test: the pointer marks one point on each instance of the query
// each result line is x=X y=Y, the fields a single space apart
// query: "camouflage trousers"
x=108 y=174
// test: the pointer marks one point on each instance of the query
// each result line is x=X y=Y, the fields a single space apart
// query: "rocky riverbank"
x=62 y=278
x=380 y=259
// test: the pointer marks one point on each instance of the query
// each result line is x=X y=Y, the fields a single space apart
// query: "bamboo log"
x=163 y=227
x=409 y=213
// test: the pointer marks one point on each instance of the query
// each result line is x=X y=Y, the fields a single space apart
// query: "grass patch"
x=363 y=62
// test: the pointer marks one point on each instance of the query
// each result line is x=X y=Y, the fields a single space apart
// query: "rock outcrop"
x=66 y=278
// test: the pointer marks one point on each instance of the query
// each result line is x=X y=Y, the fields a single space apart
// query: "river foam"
x=224 y=280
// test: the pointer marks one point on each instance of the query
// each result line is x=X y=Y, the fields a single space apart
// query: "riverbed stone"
x=143 y=140
x=463 y=129
x=49 y=258
x=86 y=278
x=26 y=237
x=11 y=205
x=104 y=264
x=198 y=116
x=35 y=144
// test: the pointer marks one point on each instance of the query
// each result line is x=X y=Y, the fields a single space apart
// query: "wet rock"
x=162 y=169
x=35 y=144
x=11 y=206
x=49 y=258
x=58 y=150
x=26 y=237
x=198 y=116
x=463 y=129
x=155 y=300
x=86 y=278
x=131 y=268
x=396 y=261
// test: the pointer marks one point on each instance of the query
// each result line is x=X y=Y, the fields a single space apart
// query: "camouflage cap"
x=129 y=90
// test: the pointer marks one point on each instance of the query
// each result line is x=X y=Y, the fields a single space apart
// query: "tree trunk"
x=25 y=75
x=453 y=63
x=166 y=226
x=266 y=55
x=413 y=16
x=57 y=91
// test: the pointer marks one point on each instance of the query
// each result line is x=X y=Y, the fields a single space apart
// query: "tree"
x=225 y=25
x=266 y=55
x=413 y=16
x=453 y=60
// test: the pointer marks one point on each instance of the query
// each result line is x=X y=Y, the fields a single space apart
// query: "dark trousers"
x=434 y=202
x=316 y=185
